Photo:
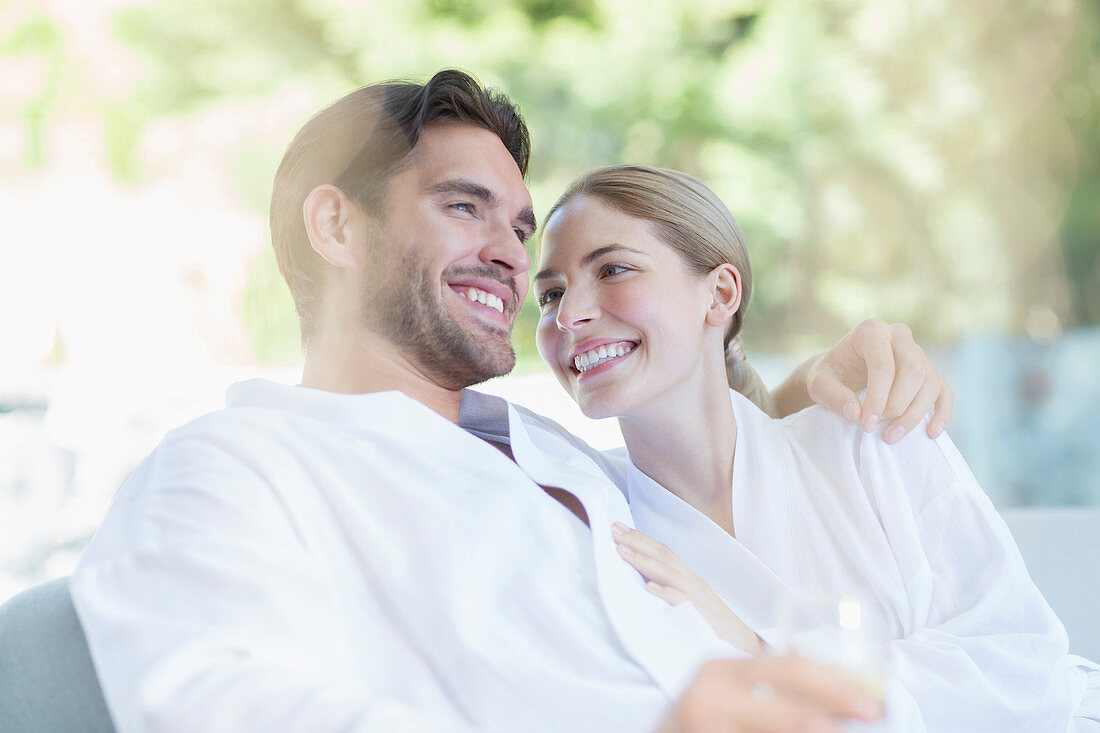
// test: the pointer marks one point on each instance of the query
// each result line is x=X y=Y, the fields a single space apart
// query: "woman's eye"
x=612 y=270
x=548 y=297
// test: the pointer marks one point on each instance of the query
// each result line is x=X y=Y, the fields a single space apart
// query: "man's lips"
x=502 y=291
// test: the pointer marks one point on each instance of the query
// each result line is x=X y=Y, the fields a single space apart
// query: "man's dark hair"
x=361 y=140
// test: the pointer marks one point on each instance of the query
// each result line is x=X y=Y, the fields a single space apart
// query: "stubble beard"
x=408 y=310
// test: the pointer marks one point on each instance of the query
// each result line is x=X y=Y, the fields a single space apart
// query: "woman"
x=643 y=284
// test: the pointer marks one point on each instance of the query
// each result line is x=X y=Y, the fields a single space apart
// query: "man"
x=381 y=549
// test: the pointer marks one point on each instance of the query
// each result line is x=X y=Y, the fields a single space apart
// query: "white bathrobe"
x=821 y=507
x=308 y=561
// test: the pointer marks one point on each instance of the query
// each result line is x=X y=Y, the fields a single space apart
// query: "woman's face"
x=623 y=321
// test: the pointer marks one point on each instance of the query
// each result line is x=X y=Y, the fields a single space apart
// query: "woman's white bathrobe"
x=820 y=506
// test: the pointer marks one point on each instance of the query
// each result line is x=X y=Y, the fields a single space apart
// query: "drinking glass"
x=834 y=631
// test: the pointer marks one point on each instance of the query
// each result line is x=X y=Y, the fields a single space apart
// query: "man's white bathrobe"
x=819 y=506
x=308 y=561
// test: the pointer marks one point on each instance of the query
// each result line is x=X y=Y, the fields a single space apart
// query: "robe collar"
x=753 y=572
x=549 y=456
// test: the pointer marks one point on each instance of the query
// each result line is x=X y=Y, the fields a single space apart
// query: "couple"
x=383 y=549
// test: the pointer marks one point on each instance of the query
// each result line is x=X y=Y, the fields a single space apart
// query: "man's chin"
x=488 y=369
x=472 y=362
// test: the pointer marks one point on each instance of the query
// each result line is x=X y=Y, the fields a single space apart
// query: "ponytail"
x=743 y=378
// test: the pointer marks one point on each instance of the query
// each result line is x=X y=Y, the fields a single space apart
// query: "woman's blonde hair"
x=691 y=219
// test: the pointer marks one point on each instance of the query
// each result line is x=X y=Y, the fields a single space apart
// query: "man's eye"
x=463 y=206
x=548 y=297
x=522 y=235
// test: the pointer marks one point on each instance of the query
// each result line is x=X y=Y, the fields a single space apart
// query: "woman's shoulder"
x=920 y=466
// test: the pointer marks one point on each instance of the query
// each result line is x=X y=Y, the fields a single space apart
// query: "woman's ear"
x=725 y=283
x=332 y=221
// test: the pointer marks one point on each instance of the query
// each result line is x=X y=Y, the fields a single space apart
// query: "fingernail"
x=895 y=434
x=870 y=423
x=652 y=586
x=618 y=529
x=625 y=550
x=851 y=412
x=937 y=428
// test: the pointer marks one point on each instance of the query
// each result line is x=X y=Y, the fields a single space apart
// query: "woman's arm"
x=901 y=383
x=668 y=578
x=988 y=653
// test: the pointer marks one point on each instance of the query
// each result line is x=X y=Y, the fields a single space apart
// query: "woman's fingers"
x=941 y=417
x=640 y=541
x=925 y=398
x=912 y=374
x=673 y=596
x=901 y=383
x=652 y=568
x=876 y=347
x=651 y=558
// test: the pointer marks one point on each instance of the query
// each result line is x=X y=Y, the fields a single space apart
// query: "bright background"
x=932 y=162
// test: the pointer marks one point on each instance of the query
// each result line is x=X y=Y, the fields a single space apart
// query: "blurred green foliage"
x=937 y=163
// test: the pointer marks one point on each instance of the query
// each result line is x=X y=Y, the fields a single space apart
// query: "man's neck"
x=356 y=362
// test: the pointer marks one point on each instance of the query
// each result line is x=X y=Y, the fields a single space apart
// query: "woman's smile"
x=590 y=357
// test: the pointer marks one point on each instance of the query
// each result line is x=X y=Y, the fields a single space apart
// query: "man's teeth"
x=480 y=296
x=593 y=358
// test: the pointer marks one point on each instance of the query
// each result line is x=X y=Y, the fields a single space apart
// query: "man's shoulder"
x=612 y=463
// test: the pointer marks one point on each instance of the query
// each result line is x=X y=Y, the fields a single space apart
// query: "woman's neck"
x=687 y=446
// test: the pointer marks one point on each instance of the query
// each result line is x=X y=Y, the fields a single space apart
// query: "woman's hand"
x=901 y=383
x=669 y=578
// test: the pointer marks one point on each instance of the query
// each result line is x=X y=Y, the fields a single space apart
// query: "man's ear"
x=332 y=223
x=725 y=282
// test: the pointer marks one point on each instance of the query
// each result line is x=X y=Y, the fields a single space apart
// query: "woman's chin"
x=598 y=409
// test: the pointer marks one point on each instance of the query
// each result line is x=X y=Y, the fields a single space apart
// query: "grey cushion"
x=47 y=682
x=1061 y=548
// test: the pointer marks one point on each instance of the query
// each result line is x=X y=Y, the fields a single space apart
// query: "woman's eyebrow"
x=588 y=259
x=599 y=252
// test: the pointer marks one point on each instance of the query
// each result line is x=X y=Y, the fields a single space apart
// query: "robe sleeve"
x=987 y=652
x=205 y=611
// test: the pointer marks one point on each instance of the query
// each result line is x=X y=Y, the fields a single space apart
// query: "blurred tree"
x=1079 y=94
x=930 y=162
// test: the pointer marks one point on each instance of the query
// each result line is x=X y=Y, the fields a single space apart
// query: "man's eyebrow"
x=588 y=259
x=467 y=187
x=527 y=218
x=478 y=191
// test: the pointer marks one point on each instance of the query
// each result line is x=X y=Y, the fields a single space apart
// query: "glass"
x=834 y=631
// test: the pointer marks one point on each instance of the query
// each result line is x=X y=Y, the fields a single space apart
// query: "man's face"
x=449 y=266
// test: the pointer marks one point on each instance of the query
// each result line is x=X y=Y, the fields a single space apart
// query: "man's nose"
x=504 y=249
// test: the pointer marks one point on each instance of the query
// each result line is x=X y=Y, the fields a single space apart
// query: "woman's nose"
x=576 y=308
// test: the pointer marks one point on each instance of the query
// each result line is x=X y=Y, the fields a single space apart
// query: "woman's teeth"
x=593 y=358
x=480 y=296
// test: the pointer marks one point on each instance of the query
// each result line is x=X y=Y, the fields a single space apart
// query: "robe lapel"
x=753 y=572
x=670 y=642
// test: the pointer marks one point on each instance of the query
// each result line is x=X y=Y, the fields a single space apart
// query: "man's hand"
x=902 y=386
x=777 y=694
x=667 y=577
